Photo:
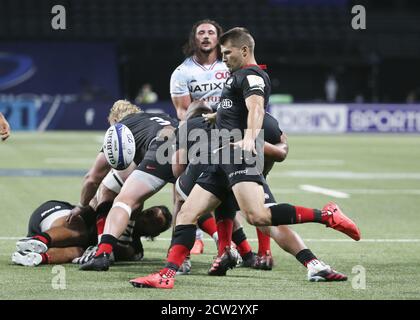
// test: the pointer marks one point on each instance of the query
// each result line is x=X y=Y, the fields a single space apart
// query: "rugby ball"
x=119 y=146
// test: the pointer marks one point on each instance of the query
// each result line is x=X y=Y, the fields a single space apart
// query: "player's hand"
x=86 y=256
x=247 y=145
x=210 y=117
x=4 y=129
x=77 y=211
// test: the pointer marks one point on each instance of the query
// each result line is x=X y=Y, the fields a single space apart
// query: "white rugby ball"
x=119 y=146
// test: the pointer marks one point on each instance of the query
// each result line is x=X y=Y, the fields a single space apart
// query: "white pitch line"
x=308 y=240
x=382 y=191
x=68 y=160
x=328 y=192
x=316 y=162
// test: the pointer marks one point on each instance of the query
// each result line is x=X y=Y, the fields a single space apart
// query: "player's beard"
x=206 y=51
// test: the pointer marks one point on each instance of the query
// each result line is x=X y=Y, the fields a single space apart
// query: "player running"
x=201 y=77
x=275 y=150
x=244 y=99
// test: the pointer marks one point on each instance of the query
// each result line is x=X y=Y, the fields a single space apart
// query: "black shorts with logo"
x=42 y=212
x=212 y=179
x=150 y=164
x=230 y=168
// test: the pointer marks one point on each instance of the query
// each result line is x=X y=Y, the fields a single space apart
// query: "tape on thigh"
x=113 y=181
x=153 y=182
x=179 y=190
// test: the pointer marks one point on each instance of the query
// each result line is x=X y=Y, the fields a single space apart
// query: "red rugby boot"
x=336 y=219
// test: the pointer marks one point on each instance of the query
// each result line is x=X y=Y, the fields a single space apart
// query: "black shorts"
x=44 y=211
x=215 y=183
x=219 y=178
x=235 y=166
x=150 y=164
x=230 y=206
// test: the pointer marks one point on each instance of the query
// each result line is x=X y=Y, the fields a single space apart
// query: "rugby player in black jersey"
x=275 y=150
x=52 y=240
x=103 y=183
x=150 y=132
x=241 y=109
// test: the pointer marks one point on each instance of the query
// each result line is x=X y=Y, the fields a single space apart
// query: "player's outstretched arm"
x=91 y=183
x=4 y=128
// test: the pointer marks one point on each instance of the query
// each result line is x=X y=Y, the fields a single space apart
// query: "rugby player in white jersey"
x=203 y=73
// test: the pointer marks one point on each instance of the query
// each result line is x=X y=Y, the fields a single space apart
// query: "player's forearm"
x=180 y=113
x=94 y=178
x=88 y=191
x=254 y=121
x=276 y=152
x=181 y=105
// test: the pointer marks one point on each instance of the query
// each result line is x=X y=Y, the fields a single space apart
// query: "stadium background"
x=109 y=49
x=54 y=80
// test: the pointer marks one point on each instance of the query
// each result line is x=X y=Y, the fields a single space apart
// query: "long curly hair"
x=190 y=47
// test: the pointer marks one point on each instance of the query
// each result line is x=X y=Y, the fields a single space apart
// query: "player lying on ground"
x=275 y=150
x=53 y=240
x=242 y=108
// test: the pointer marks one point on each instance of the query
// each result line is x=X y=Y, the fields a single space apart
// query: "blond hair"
x=121 y=109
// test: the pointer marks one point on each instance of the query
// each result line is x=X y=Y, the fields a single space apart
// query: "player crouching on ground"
x=53 y=240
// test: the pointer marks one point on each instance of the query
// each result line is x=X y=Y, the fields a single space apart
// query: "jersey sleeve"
x=179 y=83
x=272 y=131
x=251 y=84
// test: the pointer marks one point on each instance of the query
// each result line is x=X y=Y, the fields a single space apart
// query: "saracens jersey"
x=232 y=112
x=200 y=82
x=145 y=126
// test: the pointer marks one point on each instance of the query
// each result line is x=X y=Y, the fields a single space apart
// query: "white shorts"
x=48 y=221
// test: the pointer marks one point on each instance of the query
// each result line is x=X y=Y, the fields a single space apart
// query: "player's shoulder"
x=197 y=122
x=132 y=117
x=250 y=71
x=186 y=65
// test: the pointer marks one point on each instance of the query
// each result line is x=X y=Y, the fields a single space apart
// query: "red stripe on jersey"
x=261 y=66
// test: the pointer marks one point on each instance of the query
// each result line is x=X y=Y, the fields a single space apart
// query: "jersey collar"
x=261 y=66
x=203 y=67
